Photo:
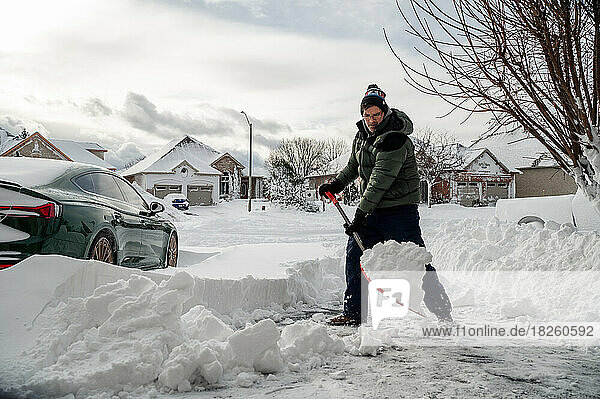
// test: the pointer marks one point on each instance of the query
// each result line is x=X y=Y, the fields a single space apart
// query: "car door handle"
x=118 y=217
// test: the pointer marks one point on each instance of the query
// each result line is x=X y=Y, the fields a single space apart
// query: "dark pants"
x=400 y=224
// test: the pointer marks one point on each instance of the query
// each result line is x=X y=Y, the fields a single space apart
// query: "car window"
x=130 y=194
x=105 y=184
x=85 y=182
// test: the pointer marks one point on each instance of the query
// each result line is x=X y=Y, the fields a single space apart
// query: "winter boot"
x=343 y=320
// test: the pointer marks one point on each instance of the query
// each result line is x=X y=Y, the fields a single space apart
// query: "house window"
x=225 y=183
x=491 y=184
x=462 y=184
x=174 y=188
x=473 y=184
x=502 y=185
x=161 y=187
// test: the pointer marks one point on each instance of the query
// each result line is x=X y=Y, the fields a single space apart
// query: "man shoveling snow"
x=383 y=157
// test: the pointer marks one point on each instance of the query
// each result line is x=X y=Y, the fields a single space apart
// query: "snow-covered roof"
x=470 y=155
x=7 y=141
x=197 y=154
x=77 y=152
x=92 y=146
x=517 y=150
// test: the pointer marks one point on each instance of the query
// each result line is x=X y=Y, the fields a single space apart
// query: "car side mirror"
x=156 y=207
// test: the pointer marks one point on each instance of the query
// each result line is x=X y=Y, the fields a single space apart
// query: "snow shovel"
x=355 y=234
x=358 y=241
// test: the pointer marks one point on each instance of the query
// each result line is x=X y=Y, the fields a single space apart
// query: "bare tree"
x=289 y=164
x=534 y=65
x=437 y=154
x=304 y=155
x=333 y=148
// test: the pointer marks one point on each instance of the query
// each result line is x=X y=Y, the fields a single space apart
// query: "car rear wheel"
x=172 y=251
x=103 y=248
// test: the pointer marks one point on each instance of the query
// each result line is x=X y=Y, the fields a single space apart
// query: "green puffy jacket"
x=385 y=162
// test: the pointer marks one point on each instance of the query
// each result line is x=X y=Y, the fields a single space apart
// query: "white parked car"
x=573 y=208
x=178 y=200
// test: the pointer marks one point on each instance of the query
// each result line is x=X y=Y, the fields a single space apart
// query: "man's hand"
x=333 y=187
x=359 y=220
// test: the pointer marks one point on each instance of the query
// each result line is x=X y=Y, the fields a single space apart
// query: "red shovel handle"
x=331 y=197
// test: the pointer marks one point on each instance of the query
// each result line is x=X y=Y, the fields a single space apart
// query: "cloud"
x=258 y=162
x=95 y=107
x=15 y=125
x=286 y=63
x=126 y=153
x=332 y=18
x=221 y=122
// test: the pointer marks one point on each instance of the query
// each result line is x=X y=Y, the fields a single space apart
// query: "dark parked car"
x=82 y=211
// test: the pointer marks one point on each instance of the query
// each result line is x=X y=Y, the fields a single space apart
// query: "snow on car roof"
x=31 y=172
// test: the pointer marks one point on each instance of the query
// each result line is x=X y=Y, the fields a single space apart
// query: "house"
x=186 y=165
x=38 y=146
x=484 y=177
x=540 y=174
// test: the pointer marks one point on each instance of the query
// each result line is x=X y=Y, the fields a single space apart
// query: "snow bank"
x=131 y=333
x=556 y=208
x=546 y=274
x=103 y=329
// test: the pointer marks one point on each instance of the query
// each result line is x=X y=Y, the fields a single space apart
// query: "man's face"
x=373 y=117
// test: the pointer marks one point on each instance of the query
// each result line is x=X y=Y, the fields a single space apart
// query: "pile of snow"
x=556 y=208
x=469 y=245
x=104 y=329
x=135 y=332
x=394 y=256
x=307 y=340
x=549 y=273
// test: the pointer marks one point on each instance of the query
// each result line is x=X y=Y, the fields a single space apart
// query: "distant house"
x=484 y=177
x=186 y=165
x=540 y=174
x=38 y=146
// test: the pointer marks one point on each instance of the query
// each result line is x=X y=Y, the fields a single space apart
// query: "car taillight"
x=47 y=211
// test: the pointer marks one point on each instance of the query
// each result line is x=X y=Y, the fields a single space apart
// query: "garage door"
x=468 y=193
x=200 y=195
x=497 y=190
x=161 y=190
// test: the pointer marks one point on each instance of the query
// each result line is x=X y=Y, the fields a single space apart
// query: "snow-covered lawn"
x=247 y=319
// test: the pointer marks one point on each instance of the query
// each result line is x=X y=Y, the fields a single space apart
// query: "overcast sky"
x=145 y=72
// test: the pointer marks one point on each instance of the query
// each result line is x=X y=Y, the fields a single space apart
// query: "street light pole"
x=250 y=166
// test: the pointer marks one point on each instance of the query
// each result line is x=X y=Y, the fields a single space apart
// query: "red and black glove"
x=333 y=187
